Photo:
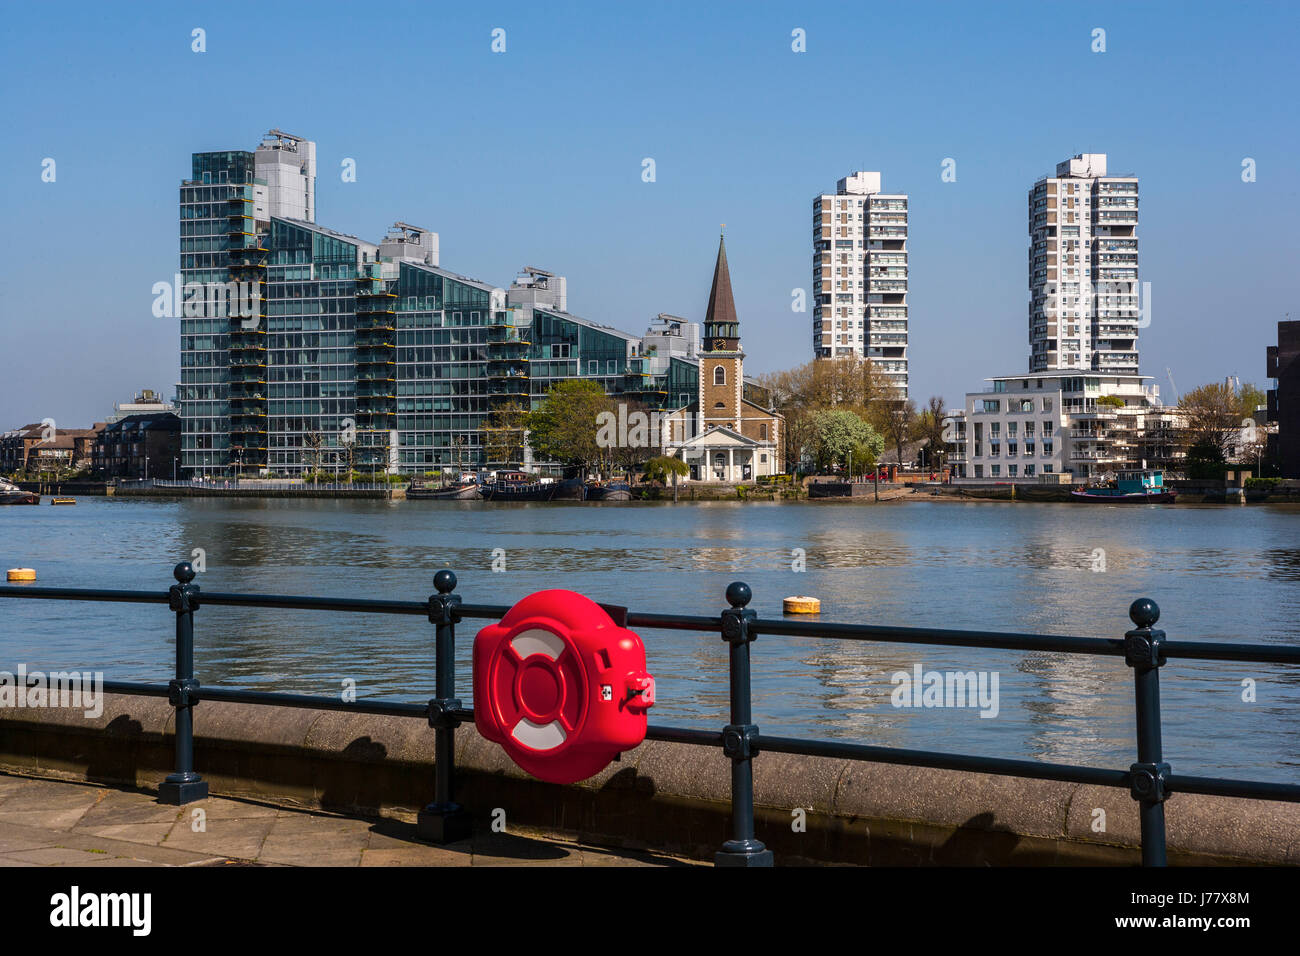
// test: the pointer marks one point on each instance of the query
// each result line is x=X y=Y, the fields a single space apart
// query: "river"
x=1219 y=573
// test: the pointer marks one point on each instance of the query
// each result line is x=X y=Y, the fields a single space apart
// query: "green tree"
x=800 y=393
x=563 y=428
x=1250 y=397
x=838 y=433
x=665 y=468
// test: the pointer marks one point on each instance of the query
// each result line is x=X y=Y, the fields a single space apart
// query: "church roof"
x=722 y=305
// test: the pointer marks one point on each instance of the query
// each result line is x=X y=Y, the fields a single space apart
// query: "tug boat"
x=11 y=494
x=1142 y=487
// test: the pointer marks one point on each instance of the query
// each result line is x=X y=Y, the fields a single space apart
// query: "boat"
x=1141 y=487
x=609 y=491
x=519 y=486
x=461 y=491
x=63 y=501
x=570 y=489
x=11 y=494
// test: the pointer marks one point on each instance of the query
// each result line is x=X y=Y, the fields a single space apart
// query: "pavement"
x=64 y=823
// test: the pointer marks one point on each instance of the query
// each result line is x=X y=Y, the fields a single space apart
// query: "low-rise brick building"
x=140 y=446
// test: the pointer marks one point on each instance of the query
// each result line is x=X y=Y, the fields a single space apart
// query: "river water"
x=1219 y=573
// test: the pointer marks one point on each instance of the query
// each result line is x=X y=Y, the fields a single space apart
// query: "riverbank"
x=674 y=797
x=1189 y=491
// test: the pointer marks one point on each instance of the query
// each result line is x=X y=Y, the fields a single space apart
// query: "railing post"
x=444 y=820
x=1148 y=777
x=738 y=737
x=183 y=786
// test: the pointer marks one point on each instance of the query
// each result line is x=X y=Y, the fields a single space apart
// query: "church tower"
x=721 y=358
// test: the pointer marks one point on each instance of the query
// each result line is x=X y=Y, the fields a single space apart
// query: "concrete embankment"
x=670 y=796
x=219 y=491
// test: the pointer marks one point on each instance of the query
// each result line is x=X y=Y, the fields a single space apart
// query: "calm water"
x=1218 y=573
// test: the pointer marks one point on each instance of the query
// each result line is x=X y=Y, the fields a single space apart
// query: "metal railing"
x=1150 y=780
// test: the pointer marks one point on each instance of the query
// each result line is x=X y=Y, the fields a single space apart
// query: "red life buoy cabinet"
x=560 y=686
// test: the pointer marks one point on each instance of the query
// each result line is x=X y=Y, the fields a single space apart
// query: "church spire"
x=721 y=327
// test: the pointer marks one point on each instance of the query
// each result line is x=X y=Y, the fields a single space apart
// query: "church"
x=725 y=436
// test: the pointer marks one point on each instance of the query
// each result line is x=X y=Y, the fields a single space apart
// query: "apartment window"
x=593 y=366
x=1011 y=448
x=992 y=405
x=1011 y=429
x=719 y=375
x=995 y=471
x=995 y=428
x=1047 y=469
x=979 y=471
x=1029 y=429
x=1029 y=448
x=1047 y=449
x=1047 y=404
x=1029 y=471
x=1012 y=470
x=1027 y=405
x=1047 y=429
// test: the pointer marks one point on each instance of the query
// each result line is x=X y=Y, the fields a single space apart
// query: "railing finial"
x=183 y=572
x=444 y=582
x=1144 y=612
x=739 y=594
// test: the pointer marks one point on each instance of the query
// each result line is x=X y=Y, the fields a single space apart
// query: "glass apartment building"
x=367 y=354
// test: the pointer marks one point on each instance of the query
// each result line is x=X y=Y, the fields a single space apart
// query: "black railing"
x=1145 y=649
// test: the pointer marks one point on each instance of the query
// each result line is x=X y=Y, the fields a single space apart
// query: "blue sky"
x=533 y=156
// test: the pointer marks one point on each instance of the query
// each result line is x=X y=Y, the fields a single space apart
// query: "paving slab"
x=65 y=823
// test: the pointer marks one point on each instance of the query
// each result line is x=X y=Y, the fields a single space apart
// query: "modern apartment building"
x=860 y=274
x=1083 y=269
x=226 y=209
x=345 y=352
x=1032 y=427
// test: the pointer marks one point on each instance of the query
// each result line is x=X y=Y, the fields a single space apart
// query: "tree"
x=1211 y=419
x=313 y=440
x=800 y=393
x=1249 y=398
x=930 y=429
x=505 y=432
x=664 y=468
x=897 y=425
x=839 y=433
x=564 y=427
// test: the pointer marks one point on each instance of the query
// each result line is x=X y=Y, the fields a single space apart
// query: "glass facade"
x=339 y=357
x=216 y=225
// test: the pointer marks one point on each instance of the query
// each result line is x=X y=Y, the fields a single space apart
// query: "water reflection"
x=1218 y=573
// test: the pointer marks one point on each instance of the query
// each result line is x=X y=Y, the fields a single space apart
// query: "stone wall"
x=670 y=796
